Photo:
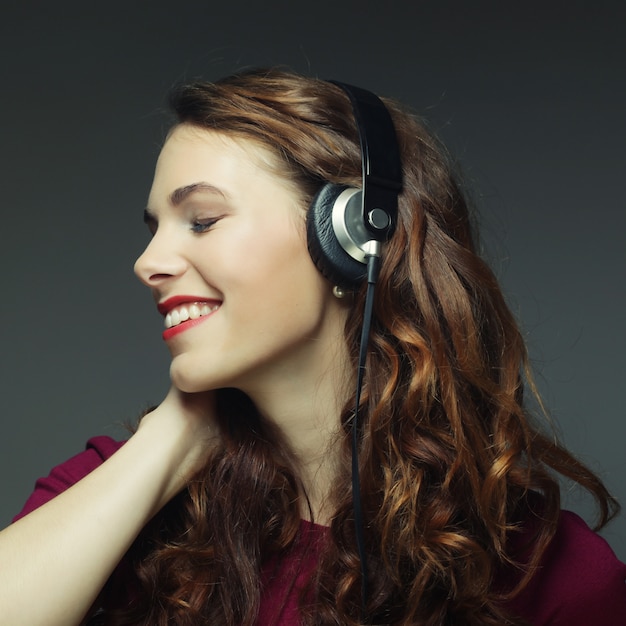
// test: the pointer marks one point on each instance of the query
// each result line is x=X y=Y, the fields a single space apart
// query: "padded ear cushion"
x=331 y=259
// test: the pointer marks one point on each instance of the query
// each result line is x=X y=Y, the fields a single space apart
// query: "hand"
x=188 y=421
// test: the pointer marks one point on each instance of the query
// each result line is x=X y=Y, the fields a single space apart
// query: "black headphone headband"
x=380 y=156
x=343 y=221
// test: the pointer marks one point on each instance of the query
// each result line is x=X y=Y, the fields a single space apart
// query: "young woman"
x=233 y=503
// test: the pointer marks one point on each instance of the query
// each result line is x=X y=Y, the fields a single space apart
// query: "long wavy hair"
x=451 y=463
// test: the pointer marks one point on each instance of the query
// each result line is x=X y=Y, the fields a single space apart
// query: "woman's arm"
x=54 y=561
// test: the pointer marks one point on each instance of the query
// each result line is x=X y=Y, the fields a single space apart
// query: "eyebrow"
x=179 y=195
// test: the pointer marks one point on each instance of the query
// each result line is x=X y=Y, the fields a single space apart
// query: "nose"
x=159 y=261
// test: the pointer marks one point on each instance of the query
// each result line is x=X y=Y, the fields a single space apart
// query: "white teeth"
x=186 y=312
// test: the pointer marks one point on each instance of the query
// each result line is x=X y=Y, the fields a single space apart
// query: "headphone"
x=346 y=225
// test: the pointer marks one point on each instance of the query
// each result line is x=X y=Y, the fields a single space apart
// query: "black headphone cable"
x=373 y=267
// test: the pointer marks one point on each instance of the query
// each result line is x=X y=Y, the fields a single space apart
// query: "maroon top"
x=580 y=583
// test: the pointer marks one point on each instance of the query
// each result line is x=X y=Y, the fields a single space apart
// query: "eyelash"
x=197 y=226
x=201 y=226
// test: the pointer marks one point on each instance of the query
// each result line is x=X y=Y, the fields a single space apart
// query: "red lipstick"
x=171 y=303
x=167 y=305
x=169 y=333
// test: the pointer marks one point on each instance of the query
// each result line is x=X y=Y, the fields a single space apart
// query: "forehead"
x=236 y=166
x=193 y=149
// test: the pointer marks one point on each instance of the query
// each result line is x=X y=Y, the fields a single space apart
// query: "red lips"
x=167 y=305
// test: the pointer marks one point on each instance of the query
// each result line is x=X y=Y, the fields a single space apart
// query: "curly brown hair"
x=451 y=462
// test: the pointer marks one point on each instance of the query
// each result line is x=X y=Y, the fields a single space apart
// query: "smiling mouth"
x=191 y=311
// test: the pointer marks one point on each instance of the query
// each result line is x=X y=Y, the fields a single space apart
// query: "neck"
x=307 y=411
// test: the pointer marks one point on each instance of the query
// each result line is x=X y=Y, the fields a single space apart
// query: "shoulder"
x=63 y=476
x=580 y=581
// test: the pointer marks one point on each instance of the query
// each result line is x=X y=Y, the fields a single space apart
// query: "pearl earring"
x=339 y=292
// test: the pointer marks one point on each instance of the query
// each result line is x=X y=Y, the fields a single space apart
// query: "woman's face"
x=228 y=265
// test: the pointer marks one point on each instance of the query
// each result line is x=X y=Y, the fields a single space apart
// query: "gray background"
x=529 y=96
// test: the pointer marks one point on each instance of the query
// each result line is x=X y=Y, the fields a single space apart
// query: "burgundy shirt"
x=580 y=583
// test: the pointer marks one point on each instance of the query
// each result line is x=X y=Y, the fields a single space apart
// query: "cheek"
x=279 y=259
x=283 y=287
x=293 y=288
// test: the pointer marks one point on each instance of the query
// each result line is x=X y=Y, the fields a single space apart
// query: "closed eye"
x=201 y=226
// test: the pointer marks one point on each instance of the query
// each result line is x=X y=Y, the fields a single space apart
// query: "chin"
x=188 y=383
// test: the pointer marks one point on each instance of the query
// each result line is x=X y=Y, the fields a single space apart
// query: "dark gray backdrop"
x=530 y=96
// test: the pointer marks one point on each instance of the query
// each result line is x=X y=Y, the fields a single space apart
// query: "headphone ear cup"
x=327 y=253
